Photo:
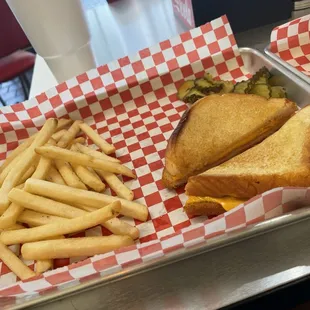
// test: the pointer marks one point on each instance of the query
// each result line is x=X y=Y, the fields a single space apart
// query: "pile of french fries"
x=51 y=187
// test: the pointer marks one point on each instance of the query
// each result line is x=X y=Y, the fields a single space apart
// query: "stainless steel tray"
x=299 y=91
x=286 y=65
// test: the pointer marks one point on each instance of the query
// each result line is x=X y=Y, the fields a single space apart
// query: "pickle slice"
x=202 y=84
x=241 y=87
x=208 y=76
x=261 y=90
x=193 y=95
x=262 y=83
x=185 y=88
x=206 y=87
x=278 y=92
x=261 y=76
x=227 y=87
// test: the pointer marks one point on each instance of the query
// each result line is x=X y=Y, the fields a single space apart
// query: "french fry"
x=43 y=205
x=75 y=196
x=8 y=168
x=57 y=135
x=54 y=176
x=119 y=227
x=85 y=208
x=73 y=247
x=100 y=142
x=48 y=206
x=13 y=227
x=14 y=263
x=69 y=135
x=20 y=186
x=42 y=168
x=44 y=164
x=55 y=152
x=60 y=227
x=9 y=217
x=87 y=177
x=34 y=219
x=120 y=189
x=23 y=165
x=88 y=151
x=80 y=140
x=114 y=225
x=62 y=123
x=43 y=265
x=92 y=171
x=27 y=174
x=64 y=168
x=116 y=185
x=20 y=149
x=69 y=175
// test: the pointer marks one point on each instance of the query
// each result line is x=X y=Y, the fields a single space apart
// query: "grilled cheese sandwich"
x=282 y=159
x=217 y=128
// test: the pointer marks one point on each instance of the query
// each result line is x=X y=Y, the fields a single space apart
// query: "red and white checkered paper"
x=132 y=103
x=291 y=42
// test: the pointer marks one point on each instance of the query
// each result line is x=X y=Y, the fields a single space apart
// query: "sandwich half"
x=283 y=159
x=219 y=127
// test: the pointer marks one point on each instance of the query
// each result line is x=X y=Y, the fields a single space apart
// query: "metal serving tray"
x=286 y=65
x=299 y=91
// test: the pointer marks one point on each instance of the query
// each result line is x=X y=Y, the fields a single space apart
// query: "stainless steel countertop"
x=213 y=279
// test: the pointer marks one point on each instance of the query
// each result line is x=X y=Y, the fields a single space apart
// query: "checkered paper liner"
x=291 y=42
x=132 y=103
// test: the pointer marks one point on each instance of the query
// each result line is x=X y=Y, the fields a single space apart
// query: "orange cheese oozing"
x=227 y=203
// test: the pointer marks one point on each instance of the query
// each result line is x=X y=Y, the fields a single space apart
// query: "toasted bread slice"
x=282 y=159
x=218 y=127
x=208 y=208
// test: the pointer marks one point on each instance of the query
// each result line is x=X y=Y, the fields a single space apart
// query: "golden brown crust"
x=177 y=131
x=203 y=208
x=282 y=159
x=244 y=186
x=207 y=137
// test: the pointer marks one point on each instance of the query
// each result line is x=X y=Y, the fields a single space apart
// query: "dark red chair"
x=14 y=59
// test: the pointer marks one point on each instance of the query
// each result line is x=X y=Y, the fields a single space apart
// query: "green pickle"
x=185 y=88
x=241 y=87
x=278 y=92
x=193 y=95
x=262 y=83
x=261 y=90
x=228 y=87
x=202 y=83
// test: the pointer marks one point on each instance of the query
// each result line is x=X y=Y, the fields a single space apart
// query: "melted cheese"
x=227 y=203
